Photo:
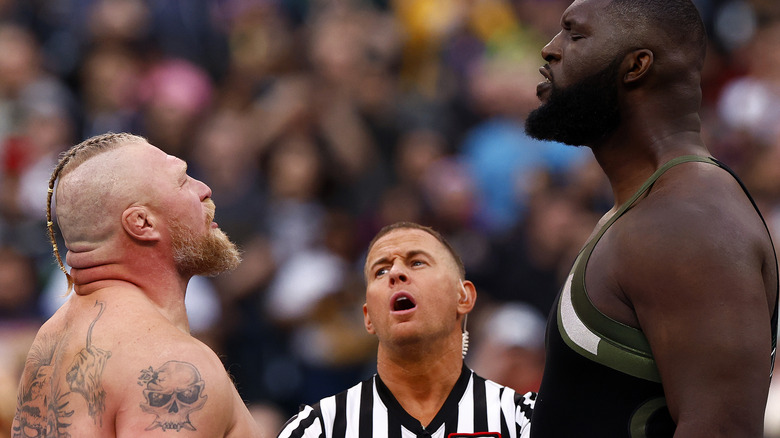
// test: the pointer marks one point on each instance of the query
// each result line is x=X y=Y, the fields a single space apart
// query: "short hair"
x=678 y=19
x=403 y=225
x=71 y=159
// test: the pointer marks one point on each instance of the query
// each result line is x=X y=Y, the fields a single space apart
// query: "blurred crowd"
x=315 y=123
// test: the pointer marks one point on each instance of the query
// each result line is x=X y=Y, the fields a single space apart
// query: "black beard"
x=580 y=114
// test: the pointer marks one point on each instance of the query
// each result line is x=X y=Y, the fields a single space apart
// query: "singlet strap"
x=590 y=332
x=649 y=183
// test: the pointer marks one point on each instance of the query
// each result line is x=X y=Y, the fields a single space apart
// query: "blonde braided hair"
x=71 y=159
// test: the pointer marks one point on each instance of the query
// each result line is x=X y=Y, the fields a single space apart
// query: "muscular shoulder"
x=123 y=367
x=695 y=230
x=177 y=390
x=690 y=210
x=163 y=379
x=694 y=261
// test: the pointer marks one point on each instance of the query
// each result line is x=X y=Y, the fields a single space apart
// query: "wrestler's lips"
x=544 y=88
x=402 y=303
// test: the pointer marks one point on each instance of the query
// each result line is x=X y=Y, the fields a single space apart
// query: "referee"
x=417 y=300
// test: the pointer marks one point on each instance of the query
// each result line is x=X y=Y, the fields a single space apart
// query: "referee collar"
x=449 y=408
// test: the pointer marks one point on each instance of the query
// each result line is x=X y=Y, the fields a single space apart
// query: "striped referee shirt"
x=475 y=407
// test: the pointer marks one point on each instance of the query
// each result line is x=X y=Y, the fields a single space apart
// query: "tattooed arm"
x=104 y=370
x=188 y=394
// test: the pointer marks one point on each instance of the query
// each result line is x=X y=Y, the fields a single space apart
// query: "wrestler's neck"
x=421 y=380
x=117 y=273
x=642 y=144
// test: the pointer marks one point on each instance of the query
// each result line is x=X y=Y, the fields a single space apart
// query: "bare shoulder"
x=693 y=241
x=168 y=381
x=695 y=261
x=106 y=367
x=695 y=213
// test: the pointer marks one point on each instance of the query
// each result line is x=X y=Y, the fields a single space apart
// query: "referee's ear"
x=367 y=320
x=467 y=297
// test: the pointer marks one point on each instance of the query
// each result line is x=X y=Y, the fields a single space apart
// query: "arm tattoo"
x=40 y=410
x=85 y=374
x=173 y=391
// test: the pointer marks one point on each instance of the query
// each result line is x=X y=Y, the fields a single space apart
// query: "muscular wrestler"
x=117 y=359
x=667 y=324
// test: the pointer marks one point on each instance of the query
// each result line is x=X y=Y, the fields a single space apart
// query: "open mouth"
x=402 y=301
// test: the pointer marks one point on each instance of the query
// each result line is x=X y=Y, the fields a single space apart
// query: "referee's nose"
x=397 y=274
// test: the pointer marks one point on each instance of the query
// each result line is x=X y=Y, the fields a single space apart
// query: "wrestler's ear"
x=636 y=65
x=367 y=320
x=140 y=223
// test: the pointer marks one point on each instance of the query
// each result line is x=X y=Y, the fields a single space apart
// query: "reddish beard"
x=210 y=254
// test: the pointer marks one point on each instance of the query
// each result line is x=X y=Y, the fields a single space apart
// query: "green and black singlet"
x=600 y=377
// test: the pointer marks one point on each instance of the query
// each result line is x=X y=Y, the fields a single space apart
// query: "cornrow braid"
x=70 y=160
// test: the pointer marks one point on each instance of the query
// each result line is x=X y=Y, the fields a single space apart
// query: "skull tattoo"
x=173 y=392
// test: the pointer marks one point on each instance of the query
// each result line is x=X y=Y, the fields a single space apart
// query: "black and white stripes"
x=369 y=410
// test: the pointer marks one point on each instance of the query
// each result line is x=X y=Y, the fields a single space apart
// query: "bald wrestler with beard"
x=117 y=360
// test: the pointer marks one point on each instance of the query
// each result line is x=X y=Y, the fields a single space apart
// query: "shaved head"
x=117 y=188
x=671 y=27
x=92 y=195
x=676 y=20
x=70 y=160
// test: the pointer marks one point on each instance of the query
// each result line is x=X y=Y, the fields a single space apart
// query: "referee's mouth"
x=402 y=302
